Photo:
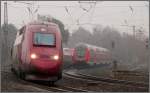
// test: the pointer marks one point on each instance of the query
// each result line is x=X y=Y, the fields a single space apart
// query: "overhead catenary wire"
x=91 y=17
x=92 y=4
x=131 y=8
x=95 y=7
x=31 y=8
x=40 y=7
x=70 y=15
x=84 y=9
x=79 y=6
x=70 y=6
x=66 y=9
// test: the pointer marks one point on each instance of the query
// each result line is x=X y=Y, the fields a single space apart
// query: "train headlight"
x=55 y=57
x=33 y=56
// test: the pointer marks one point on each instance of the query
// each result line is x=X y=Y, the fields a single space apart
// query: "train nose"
x=45 y=67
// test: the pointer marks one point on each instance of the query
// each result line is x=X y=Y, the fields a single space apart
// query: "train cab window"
x=44 y=39
x=21 y=30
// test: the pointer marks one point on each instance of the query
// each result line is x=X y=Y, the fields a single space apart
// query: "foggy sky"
x=112 y=13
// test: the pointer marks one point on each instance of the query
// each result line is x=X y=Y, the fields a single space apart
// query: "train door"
x=97 y=56
x=92 y=57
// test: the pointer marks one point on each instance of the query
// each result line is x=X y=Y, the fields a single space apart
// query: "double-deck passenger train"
x=86 y=54
x=37 y=52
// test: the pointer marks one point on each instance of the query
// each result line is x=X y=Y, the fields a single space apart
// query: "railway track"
x=132 y=73
x=89 y=80
x=45 y=86
x=131 y=76
x=111 y=80
x=72 y=89
x=98 y=80
x=55 y=88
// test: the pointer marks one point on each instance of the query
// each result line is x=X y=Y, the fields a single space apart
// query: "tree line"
x=125 y=48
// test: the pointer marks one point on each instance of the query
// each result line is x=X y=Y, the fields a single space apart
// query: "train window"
x=81 y=51
x=44 y=39
x=21 y=30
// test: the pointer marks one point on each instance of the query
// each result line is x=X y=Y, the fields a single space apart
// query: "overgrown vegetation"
x=8 y=34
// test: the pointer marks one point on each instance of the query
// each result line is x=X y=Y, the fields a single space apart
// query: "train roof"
x=42 y=23
x=36 y=24
x=91 y=46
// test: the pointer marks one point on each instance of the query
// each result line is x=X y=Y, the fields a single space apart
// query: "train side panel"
x=93 y=55
x=26 y=50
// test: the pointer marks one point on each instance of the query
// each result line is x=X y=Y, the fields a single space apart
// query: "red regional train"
x=85 y=54
x=37 y=52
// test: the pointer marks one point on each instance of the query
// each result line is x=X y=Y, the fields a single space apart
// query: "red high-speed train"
x=86 y=54
x=37 y=52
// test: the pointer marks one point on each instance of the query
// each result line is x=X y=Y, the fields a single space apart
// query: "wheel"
x=21 y=74
x=12 y=69
x=59 y=75
x=51 y=83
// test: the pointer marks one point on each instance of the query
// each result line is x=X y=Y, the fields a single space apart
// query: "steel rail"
x=135 y=73
x=46 y=87
x=98 y=80
x=111 y=80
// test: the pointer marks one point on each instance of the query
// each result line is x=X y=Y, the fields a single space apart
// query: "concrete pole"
x=5 y=13
x=4 y=35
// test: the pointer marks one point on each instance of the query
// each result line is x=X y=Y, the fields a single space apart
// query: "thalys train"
x=37 y=52
x=90 y=55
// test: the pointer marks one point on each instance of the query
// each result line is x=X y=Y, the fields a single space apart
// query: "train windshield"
x=45 y=39
x=80 y=50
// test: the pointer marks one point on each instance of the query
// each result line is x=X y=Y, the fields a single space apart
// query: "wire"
x=78 y=6
x=84 y=9
x=66 y=9
x=131 y=9
x=91 y=17
x=23 y=2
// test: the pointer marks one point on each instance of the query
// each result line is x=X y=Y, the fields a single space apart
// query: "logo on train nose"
x=44 y=56
x=43 y=29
